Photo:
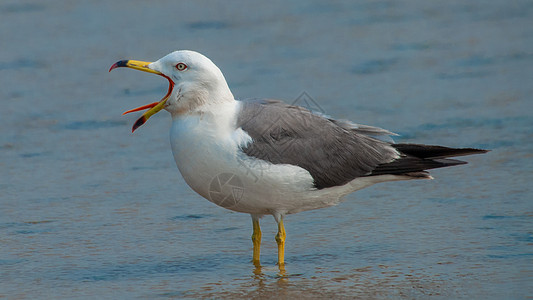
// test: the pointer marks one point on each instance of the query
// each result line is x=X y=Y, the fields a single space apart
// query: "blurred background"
x=89 y=210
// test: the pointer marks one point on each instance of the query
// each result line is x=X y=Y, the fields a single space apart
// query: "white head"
x=197 y=81
x=194 y=81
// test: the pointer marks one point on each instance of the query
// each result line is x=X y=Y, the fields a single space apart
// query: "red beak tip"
x=138 y=123
x=118 y=64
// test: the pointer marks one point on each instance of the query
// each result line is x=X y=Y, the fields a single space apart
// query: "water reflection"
x=259 y=272
x=262 y=280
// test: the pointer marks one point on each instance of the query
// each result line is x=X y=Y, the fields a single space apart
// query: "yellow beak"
x=153 y=107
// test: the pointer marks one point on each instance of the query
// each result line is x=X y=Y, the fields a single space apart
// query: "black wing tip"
x=480 y=151
x=467 y=151
x=473 y=150
x=447 y=162
x=433 y=151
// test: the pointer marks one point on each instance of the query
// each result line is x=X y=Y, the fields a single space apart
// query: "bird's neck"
x=215 y=119
x=200 y=99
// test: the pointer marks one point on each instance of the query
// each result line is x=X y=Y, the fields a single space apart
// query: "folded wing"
x=333 y=152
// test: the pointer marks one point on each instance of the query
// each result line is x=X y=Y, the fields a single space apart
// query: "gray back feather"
x=333 y=152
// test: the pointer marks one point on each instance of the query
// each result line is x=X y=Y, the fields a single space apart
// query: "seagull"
x=265 y=157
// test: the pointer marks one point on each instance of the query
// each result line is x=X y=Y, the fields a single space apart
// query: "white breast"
x=206 y=148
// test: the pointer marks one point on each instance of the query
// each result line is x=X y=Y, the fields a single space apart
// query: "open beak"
x=153 y=108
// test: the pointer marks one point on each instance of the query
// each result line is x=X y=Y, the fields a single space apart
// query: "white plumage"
x=235 y=154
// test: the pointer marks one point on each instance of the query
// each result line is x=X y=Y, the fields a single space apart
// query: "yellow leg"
x=280 y=238
x=256 y=239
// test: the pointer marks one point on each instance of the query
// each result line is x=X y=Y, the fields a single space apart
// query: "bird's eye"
x=181 y=66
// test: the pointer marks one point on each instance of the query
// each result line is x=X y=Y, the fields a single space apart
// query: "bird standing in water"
x=264 y=157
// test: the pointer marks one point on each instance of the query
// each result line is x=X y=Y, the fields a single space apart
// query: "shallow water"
x=89 y=210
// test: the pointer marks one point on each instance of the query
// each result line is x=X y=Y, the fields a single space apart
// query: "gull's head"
x=194 y=81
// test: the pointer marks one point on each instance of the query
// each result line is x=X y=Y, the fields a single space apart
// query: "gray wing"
x=333 y=152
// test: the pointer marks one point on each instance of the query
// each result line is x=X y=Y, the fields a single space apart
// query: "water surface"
x=89 y=210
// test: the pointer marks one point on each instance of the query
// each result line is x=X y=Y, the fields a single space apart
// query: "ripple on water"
x=22 y=7
x=22 y=63
x=374 y=66
x=208 y=25
x=29 y=227
x=93 y=124
x=146 y=267
x=191 y=216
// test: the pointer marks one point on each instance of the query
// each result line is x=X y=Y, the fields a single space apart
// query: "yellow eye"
x=181 y=66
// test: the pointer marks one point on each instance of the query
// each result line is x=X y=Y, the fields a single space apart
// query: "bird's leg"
x=256 y=239
x=280 y=238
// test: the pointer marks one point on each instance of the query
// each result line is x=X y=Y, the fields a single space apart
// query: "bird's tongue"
x=147 y=106
x=153 y=108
